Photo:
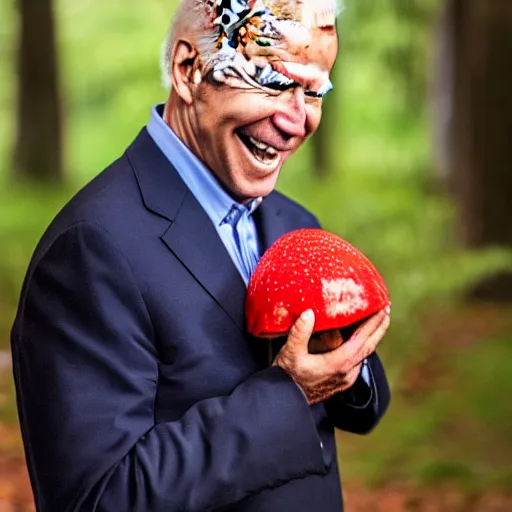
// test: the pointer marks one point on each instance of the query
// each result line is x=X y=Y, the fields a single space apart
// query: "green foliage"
x=110 y=55
x=396 y=35
x=435 y=472
x=488 y=396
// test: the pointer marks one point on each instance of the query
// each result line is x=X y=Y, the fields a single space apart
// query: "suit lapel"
x=191 y=235
x=194 y=240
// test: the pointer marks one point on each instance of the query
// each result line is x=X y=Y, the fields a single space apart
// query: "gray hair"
x=193 y=19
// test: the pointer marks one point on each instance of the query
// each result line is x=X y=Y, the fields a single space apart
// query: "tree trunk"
x=483 y=129
x=441 y=95
x=483 y=121
x=38 y=149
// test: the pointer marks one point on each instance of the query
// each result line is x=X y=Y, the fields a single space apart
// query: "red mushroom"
x=313 y=269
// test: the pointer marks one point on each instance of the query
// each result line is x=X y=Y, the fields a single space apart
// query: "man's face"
x=262 y=98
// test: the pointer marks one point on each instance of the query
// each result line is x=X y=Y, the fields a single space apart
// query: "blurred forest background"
x=412 y=164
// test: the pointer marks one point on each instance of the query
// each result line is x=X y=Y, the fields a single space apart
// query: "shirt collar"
x=213 y=198
x=237 y=210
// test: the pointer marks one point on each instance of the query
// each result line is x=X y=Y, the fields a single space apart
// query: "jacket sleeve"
x=86 y=372
x=360 y=408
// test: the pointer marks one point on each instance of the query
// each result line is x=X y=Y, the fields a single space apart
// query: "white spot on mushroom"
x=281 y=313
x=343 y=296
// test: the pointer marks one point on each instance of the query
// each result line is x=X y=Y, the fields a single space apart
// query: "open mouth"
x=262 y=152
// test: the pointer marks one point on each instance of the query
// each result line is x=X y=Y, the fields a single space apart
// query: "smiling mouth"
x=262 y=152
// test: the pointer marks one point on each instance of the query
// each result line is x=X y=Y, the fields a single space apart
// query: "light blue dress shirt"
x=232 y=220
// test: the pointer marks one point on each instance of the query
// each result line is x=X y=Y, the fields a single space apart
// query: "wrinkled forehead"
x=296 y=38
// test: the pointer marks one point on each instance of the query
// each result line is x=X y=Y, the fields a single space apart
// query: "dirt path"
x=5 y=362
x=15 y=492
x=406 y=498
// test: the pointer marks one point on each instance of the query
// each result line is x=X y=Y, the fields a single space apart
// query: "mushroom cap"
x=312 y=269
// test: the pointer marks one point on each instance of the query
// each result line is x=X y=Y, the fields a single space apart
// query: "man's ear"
x=182 y=69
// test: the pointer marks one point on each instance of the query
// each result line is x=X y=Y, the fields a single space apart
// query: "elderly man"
x=138 y=388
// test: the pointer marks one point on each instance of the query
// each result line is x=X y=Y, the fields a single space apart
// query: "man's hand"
x=320 y=376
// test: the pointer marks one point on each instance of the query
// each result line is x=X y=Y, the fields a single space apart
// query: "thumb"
x=301 y=331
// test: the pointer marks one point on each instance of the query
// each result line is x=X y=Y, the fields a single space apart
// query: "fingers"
x=371 y=325
x=352 y=376
x=362 y=343
x=381 y=330
x=301 y=331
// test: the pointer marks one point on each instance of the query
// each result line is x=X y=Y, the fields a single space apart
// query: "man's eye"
x=280 y=86
x=314 y=94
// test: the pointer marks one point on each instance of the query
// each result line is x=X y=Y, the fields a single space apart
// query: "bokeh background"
x=412 y=164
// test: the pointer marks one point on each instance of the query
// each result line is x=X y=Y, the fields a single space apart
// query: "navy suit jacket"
x=138 y=388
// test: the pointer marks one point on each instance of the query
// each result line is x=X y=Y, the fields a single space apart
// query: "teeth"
x=260 y=145
x=269 y=150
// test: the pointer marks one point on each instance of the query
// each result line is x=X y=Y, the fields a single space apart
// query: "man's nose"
x=290 y=117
